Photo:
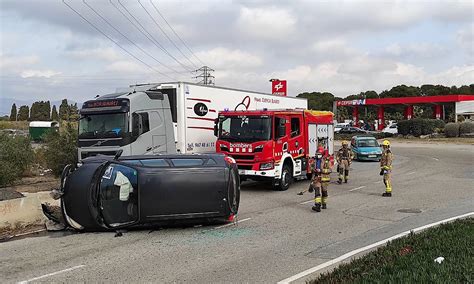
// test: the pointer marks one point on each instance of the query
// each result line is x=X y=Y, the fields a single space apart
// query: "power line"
x=176 y=34
x=155 y=40
x=112 y=40
x=166 y=35
x=144 y=51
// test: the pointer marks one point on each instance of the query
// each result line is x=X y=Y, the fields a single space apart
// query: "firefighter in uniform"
x=386 y=167
x=344 y=160
x=325 y=178
x=320 y=180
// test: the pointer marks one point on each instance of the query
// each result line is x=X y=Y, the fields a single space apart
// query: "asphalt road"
x=278 y=235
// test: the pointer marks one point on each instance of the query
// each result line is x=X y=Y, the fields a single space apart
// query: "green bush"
x=16 y=155
x=451 y=129
x=403 y=127
x=61 y=148
x=348 y=137
x=466 y=127
x=419 y=126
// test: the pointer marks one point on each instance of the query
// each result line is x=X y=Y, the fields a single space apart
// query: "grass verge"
x=411 y=259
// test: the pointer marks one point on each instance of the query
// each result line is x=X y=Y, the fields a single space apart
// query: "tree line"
x=42 y=111
x=325 y=100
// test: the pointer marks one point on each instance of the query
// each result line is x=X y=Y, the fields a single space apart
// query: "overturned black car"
x=110 y=193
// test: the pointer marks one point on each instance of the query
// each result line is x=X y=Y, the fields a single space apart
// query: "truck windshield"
x=245 y=128
x=103 y=125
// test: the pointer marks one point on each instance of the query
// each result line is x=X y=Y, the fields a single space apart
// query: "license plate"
x=372 y=156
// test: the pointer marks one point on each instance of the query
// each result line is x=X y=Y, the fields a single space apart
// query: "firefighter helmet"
x=386 y=143
x=345 y=143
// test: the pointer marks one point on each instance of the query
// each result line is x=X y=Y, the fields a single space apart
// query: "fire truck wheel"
x=286 y=178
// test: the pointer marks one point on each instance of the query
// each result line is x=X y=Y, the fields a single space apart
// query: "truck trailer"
x=274 y=145
x=164 y=118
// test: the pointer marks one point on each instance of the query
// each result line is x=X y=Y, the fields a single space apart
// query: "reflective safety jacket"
x=326 y=170
x=344 y=154
x=386 y=160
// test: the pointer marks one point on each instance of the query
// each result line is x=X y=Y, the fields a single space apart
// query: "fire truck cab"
x=274 y=145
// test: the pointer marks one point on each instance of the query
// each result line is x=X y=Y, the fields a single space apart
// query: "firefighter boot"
x=317 y=207
x=388 y=188
x=324 y=199
x=317 y=203
x=346 y=176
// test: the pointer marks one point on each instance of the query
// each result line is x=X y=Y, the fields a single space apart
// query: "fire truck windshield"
x=245 y=128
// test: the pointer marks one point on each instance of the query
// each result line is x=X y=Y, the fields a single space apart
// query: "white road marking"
x=51 y=274
x=357 y=188
x=362 y=249
x=378 y=182
x=228 y=225
x=436 y=159
x=411 y=173
x=306 y=202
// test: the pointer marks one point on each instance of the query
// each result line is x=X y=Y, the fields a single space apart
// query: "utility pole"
x=205 y=74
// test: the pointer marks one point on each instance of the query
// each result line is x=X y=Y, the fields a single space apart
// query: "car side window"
x=187 y=162
x=159 y=163
x=211 y=162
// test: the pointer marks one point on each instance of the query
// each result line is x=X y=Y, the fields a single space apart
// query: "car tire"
x=285 y=181
x=234 y=193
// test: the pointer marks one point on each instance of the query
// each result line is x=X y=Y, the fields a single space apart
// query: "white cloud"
x=127 y=67
x=223 y=58
x=465 y=38
x=106 y=54
x=269 y=23
x=38 y=73
x=10 y=64
x=417 y=50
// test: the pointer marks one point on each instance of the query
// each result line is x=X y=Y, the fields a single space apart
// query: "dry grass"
x=21 y=125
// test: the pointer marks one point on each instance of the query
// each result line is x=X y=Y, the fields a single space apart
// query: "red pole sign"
x=279 y=87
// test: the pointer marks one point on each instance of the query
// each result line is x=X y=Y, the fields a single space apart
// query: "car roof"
x=359 y=137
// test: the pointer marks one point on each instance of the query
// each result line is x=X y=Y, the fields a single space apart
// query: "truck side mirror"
x=216 y=127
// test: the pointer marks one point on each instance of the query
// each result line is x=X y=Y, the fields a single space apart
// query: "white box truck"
x=164 y=118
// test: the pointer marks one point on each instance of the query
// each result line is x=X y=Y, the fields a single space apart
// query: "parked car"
x=107 y=193
x=392 y=128
x=366 y=148
x=340 y=126
x=352 y=130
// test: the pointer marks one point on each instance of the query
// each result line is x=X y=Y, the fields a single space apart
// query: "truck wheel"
x=286 y=178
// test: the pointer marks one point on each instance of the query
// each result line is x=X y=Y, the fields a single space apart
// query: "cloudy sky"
x=344 y=47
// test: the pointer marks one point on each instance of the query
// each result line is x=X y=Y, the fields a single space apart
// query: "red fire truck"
x=274 y=145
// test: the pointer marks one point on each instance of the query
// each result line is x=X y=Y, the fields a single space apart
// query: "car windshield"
x=245 y=128
x=368 y=143
x=103 y=125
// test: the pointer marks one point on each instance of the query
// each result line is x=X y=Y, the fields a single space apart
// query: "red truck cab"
x=274 y=145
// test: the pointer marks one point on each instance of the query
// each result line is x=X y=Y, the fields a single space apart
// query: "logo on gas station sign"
x=279 y=87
